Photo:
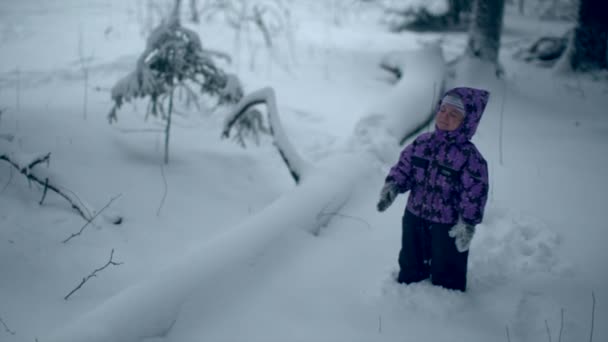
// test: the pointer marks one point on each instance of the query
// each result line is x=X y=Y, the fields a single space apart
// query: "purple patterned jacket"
x=447 y=175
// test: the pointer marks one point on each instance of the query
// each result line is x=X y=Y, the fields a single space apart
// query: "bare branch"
x=10 y=178
x=26 y=171
x=94 y=274
x=144 y=130
x=508 y=335
x=548 y=331
x=7 y=137
x=561 y=327
x=346 y=216
x=162 y=201
x=6 y=328
x=46 y=188
x=39 y=160
x=91 y=220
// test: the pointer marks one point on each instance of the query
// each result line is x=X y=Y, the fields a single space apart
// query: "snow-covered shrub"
x=259 y=23
x=174 y=58
x=249 y=126
x=557 y=9
x=426 y=15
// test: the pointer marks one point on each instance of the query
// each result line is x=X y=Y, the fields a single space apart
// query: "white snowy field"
x=540 y=250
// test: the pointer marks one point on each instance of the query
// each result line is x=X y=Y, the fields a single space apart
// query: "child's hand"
x=463 y=234
x=387 y=196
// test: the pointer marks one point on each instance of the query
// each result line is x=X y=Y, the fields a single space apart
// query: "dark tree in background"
x=589 y=50
x=458 y=8
x=485 y=30
x=421 y=18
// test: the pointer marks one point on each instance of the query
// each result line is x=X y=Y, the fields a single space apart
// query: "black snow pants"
x=427 y=250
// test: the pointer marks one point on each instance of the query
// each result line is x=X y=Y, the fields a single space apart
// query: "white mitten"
x=463 y=234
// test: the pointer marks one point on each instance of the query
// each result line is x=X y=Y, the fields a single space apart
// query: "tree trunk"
x=521 y=7
x=590 y=37
x=486 y=27
x=194 y=11
x=175 y=13
x=168 y=126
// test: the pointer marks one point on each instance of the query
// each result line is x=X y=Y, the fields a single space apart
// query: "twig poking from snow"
x=561 y=327
x=94 y=274
x=379 y=324
x=46 y=188
x=91 y=220
x=18 y=91
x=433 y=100
x=548 y=331
x=162 y=201
x=146 y=130
x=592 y=316
x=6 y=328
x=10 y=178
x=346 y=216
x=508 y=335
x=26 y=171
x=39 y=160
x=502 y=111
x=7 y=137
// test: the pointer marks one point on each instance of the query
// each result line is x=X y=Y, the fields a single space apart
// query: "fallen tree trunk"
x=151 y=307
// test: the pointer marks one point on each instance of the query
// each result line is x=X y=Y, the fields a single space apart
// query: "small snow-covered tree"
x=174 y=58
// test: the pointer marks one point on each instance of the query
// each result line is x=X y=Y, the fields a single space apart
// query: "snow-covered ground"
x=540 y=249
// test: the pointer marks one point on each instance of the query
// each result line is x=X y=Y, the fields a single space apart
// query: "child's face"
x=448 y=117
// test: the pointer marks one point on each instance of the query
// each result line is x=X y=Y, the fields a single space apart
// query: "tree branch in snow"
x=391 y=68
x=561 y=326
x=6 y=328
x=508 y=335
x=27 y=172
x=548 y=331
x=592 y=316
x=94 y=274
x=10 y=178
x=162 y=201
x=46 y=188
x=266 y=96
x=322 y=214
x=91 y=220
x=7 y=137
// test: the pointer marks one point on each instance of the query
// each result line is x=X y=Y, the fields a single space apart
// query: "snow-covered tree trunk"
x=590 y=41
x=485 y=30
x=219 y=267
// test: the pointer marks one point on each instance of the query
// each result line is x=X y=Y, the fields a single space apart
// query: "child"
x=448 y=180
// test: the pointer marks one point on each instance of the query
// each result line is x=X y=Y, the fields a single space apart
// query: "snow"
x=221 y=245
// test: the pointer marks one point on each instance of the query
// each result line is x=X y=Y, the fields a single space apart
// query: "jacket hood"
x=474 y=101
